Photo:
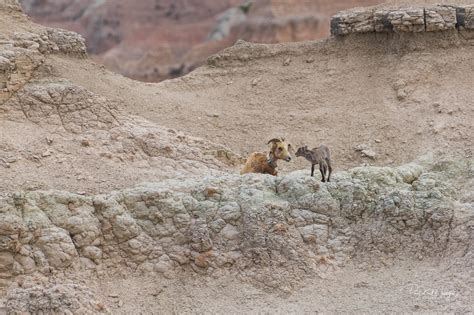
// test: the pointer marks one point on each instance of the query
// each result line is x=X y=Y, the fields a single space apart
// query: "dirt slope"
x=404 y=288
x=394 y=94
x=55 y=134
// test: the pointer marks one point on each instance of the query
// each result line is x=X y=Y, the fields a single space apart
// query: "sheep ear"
x=290 y=147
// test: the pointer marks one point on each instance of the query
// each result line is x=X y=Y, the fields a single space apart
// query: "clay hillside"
x=123 y=197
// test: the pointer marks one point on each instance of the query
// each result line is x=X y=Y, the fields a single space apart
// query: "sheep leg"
x=321 y=169
x=312 y=170
x=328 y=161
x=325 y=169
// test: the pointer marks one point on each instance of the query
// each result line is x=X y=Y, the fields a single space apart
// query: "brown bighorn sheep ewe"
x=319 y=156
x=259 y=162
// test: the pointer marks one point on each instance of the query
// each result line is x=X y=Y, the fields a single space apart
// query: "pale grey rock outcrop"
x=271 y=229
x=52 y=40
x=465 y=17
x=412 y=19
x=22 y=53
x=399 y=20
x=440 y=18
x=13 y=5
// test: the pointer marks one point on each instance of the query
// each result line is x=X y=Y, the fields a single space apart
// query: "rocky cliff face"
x=155 y=40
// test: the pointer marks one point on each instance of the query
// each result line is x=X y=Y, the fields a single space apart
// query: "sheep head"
x=280 y=150
x=301 y=151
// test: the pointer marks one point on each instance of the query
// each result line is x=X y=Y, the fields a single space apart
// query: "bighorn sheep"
x=319 y=156
x=259 y=162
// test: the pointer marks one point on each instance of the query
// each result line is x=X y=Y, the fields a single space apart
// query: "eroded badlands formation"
x=92 y=195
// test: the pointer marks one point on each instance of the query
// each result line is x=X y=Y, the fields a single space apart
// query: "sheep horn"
x=274 y=140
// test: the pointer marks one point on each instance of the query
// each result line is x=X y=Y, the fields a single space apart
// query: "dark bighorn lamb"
x=266 y=163
x=319 y=156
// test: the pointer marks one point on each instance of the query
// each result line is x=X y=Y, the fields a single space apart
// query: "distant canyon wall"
x=155 y=40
